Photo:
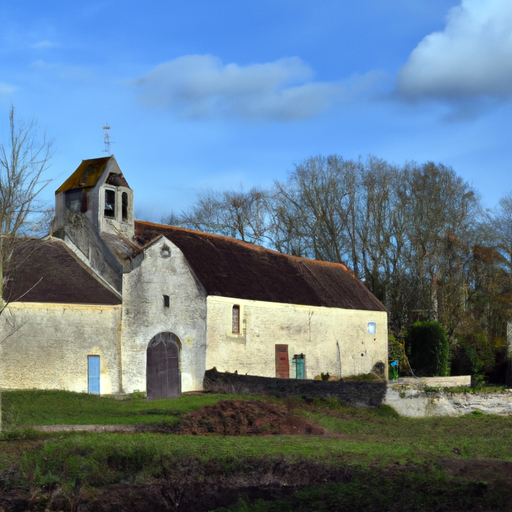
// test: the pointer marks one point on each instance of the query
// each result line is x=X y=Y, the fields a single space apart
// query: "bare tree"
x=493 y=260
x=442 y=210
x=238 y=214
x=23 y=159
x=317 y=206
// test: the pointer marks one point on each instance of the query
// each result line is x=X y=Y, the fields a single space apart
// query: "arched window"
x=124 y=201
x=110 y=203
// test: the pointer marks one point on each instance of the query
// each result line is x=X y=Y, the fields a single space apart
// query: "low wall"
x=369 y=394
x=442 y=382
x=408 y=398
x=415 y=402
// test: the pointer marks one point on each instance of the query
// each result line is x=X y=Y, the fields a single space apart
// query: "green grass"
x=474 y=435
x=395 y=463
x=373 y=491
x=33 y=408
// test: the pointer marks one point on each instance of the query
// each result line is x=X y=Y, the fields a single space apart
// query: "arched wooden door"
x=163 y=378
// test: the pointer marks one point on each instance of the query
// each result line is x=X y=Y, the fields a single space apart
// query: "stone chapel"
x=107 y=304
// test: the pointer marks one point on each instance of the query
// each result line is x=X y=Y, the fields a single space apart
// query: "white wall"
x=414 y=402
x=314 y=331
x=45 y=346
x=144 y=315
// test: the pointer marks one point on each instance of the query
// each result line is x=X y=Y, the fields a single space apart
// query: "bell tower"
x=94 y=216
x=98 y=191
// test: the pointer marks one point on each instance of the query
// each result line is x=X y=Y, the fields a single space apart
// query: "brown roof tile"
x=230 y=268
x=47 y=271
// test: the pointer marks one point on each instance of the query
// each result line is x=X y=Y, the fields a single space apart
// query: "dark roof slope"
x=86 y=175
x=230 y=268
x=47 y=271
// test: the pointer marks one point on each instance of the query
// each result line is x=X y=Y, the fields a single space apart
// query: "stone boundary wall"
x=410 y=400
x=368 y=394
x=415 y=402
x=442 y=382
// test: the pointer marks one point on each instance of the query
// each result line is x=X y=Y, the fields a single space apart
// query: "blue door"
x=94 y=374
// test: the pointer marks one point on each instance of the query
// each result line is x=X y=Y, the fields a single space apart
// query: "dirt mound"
x=244 y=418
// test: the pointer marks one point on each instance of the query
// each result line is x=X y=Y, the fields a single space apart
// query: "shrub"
x=363 y=377
x=472 y=353
x=428 y=349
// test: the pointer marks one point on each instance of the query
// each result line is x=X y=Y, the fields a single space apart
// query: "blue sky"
x=230 y=94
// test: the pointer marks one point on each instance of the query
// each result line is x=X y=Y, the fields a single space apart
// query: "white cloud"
x=75 y=73
x=201 y=86
x=41 y=64
x=6 y=89
x=43 y=44
x=472 y=57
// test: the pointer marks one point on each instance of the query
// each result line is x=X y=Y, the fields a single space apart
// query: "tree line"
x=416 y=235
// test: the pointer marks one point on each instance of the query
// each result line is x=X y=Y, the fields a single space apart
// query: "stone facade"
x=47 y=346
x=334 y=341
x=163 y=272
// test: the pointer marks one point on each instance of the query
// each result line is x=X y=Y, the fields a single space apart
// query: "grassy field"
x=29 y=408
x=369 y=459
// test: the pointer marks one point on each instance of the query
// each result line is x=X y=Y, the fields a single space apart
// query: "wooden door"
x=93 y=374
x=300 y=366
x=282 y=362
x=163 y=377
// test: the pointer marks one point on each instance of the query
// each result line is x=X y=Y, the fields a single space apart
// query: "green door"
x=300 y=366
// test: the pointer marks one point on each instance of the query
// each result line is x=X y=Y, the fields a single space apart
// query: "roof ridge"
x=243 y=243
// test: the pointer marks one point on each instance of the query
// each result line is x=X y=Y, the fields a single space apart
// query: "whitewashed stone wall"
x=45 y=346
x=414 y=402
x=163 y=271
x=334 y=341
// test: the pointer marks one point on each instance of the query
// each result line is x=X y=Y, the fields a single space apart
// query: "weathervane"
x=106 y=139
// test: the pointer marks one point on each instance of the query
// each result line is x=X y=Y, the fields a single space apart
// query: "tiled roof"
x=230 y=268
x=123 y=248
x=47 y=271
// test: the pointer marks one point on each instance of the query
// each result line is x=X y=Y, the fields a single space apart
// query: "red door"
x=282 y=362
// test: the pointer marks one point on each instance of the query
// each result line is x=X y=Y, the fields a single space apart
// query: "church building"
x=107 y=304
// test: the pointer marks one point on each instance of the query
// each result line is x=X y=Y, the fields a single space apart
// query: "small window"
x=372 y=328
x=110 y=203
x=167 y=301
x=235 y=319
x=124 y=200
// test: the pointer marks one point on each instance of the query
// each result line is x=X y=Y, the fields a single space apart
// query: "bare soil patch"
x=245 y=418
